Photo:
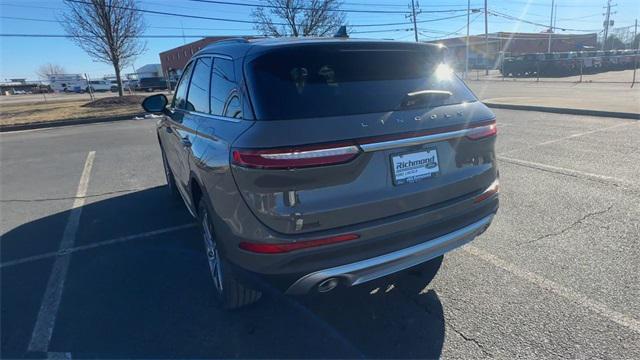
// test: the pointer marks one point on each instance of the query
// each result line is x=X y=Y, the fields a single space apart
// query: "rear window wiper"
x=422 y=97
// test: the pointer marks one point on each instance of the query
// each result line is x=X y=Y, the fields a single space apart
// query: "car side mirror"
x=155 y=103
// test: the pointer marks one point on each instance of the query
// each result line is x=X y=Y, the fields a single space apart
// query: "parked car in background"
x=153 y=83
x=75 y=89
x=314 y=164
x=99 y=85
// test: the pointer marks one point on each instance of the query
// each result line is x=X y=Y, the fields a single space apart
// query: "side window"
x=180 y=97
x=224 y=92
x=198 y=97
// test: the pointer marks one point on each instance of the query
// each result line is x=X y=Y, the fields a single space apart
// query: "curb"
x=556 y=110
x=58 y=123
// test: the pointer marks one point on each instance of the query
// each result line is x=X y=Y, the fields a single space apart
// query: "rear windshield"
x=314 y=81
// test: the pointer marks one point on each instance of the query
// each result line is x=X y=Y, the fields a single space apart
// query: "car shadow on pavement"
x=151 y=296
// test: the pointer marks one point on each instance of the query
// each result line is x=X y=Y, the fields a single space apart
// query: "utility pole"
x=551 y=26
x=635 y=58
x=486 y=39
x=606 y=25
x=413 y=16
x=466 y=53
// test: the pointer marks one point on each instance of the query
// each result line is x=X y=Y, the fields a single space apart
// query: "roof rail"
x=238 y=40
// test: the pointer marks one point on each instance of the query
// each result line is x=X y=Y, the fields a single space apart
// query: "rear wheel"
x=230 y=293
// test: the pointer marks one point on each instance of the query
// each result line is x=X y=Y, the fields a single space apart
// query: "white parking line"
x=549 y=285
x=564 y=170
x=95 y=245
x=570 y=137
x=43 y=329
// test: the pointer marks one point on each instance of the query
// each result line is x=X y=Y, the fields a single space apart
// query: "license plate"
x=415 y=166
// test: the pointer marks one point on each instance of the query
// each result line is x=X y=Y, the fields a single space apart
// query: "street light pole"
x=486 y=39
x=466 y=55
x=635 y=58
x=551 y=26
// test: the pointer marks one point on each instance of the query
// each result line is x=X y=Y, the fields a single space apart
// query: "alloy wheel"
x=213 y=257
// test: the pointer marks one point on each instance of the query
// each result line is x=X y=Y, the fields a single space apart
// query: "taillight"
x=295 y=157
x=482 y=132
x=262 y=248
x=489 y=192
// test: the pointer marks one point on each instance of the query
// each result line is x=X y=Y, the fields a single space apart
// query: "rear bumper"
x=369 y=269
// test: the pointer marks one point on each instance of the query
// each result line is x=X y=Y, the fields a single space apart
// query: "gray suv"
x=313 y=164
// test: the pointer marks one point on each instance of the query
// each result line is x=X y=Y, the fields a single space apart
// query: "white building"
x=149 y=71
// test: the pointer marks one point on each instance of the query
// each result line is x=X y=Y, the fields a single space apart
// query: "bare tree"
x=298 y=17
x=108 y=30
x=45 y=70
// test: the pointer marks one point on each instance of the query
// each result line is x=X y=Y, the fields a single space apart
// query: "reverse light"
x=296 y=157
x=262 y=248
x=493 y=189
x=482 y=132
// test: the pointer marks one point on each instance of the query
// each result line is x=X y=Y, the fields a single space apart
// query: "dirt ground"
x=54 y=111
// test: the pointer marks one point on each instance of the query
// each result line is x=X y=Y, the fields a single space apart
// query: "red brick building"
x=174 y=60
x=513 y=44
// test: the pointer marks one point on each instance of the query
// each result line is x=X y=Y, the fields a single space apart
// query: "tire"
x=230 y=293
x=171 y=181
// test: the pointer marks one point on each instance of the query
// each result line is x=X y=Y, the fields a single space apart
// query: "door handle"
x=185 y=141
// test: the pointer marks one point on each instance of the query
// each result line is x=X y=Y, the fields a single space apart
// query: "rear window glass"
x=319 y=81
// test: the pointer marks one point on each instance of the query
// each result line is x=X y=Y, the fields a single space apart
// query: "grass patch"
x=11 y=114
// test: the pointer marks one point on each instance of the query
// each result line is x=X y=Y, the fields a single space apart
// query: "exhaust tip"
x=328 y=285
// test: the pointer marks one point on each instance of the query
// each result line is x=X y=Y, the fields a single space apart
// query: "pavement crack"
x=70 y=197
x=426 y=309
x=571 y=226
x=469 y=339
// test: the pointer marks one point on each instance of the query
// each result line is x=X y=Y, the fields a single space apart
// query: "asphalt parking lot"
x=556 y=275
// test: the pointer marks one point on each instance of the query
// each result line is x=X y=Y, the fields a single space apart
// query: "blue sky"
x=20 y=57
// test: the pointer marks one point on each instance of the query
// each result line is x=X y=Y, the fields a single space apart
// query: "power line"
x=380 y=31
x=94 y=36
x=155 y=12
x=457 y=32
x=151 y=27
x=174 y=14
x=307 y=8
x=370 y=4
x=164 y=13
x=510 y=17
x=30 y=6
x=336 y=10
x=27 y=19
x=529 y=3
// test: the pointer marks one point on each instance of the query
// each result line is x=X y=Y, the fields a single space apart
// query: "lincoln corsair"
x=321 y=163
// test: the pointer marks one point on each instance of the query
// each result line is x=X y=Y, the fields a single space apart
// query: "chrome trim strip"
x=309 y=154
x=211 y=116
x=385 y=145
x=370 y=269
